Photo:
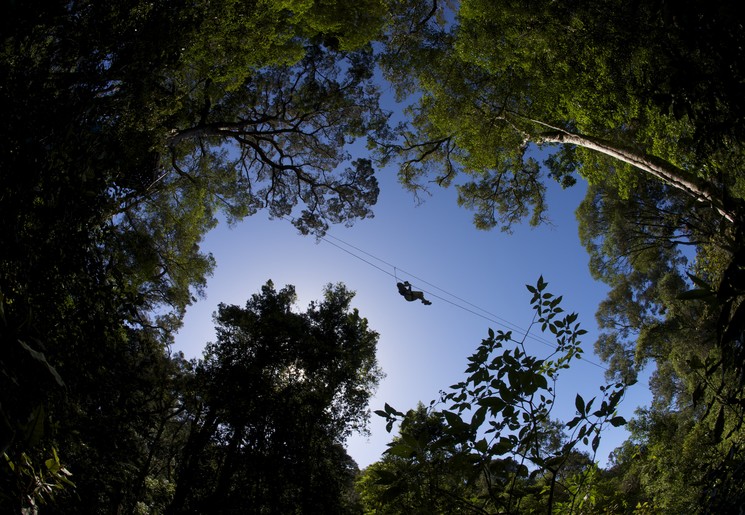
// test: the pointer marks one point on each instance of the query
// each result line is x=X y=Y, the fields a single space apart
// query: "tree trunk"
x=197 y=441
x=687 y=182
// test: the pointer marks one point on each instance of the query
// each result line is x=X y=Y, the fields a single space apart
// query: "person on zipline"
x=404 y=289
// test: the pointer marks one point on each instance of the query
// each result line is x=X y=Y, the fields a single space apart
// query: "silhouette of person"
x=405 y=290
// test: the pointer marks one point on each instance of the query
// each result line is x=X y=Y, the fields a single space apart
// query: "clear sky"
x=422 y=349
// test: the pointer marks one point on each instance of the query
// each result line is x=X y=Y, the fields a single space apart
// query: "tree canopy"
x=299 y=384
x=130 y=128
x=644 y=102
x=500 y=76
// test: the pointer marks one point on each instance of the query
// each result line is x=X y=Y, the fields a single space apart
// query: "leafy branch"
x=498 y=420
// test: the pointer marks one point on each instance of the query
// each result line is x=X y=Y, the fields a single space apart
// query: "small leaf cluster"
x=38 y=480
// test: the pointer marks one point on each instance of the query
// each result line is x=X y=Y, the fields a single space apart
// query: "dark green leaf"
x=478 y=417
x=481 y=446
x=495 y=404
x=39 y=356
x=698 y=394
x=401 y=450
x=579 y=403
x=696 y=294
x=617 y=421
x=391 y=493
x=719 y=425
x=699 y=282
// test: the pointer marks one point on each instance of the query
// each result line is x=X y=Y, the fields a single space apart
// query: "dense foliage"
x=258 y=423
x=130 y=127
x=272 y=403
x=643 y=101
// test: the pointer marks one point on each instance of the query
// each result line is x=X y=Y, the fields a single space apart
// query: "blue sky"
x=422 y=349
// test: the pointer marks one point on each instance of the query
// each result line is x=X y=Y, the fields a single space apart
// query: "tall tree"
x=689 y=442
x=498 y=76
x=298 y=384
x=590 y=84
x=127 y=127
x=644 y=101
x=643 y=246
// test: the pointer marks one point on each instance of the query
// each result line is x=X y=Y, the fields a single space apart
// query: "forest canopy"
x=130 y=128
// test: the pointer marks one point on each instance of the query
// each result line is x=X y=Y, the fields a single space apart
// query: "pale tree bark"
x=685 y=181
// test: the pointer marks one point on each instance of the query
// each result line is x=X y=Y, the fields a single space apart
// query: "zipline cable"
x=491 y=316
x=358 y=257
x=504 y=322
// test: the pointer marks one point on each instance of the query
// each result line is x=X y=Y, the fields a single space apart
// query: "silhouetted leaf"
x=617 y=421
x=579 y=403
